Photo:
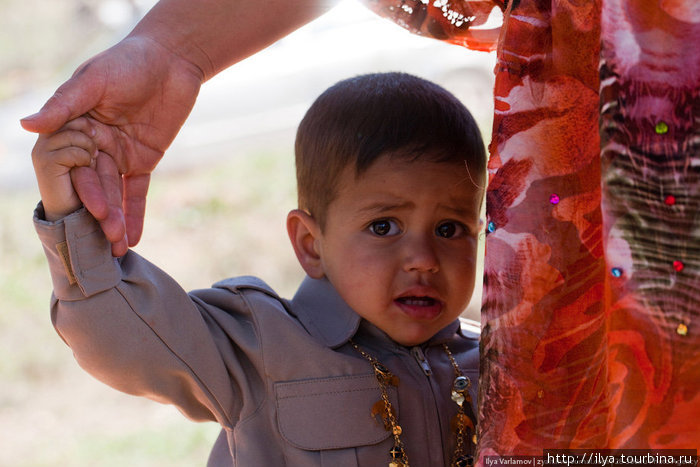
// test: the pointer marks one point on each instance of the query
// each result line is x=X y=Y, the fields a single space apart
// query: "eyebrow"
x=381 y=207
x=459 y=212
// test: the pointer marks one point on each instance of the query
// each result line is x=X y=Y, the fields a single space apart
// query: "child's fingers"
x=63 y=151
x=68 y=138
x=108 y=139
x=79 y=132
x=73 y=156
x=82 y=124
x=58 y=163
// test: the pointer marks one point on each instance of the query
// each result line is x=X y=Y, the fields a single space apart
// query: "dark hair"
x=360 y=119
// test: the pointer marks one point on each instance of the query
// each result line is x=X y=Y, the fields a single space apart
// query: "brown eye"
x=446 y=230
x=384 y=227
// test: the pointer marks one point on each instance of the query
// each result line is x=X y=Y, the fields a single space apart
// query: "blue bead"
x=616 y=272
x=491 y=227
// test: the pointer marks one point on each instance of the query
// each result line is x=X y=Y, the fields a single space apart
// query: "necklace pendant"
x=384 y=376
x=379 y=409
x=381 y=369
x=461 y=384
x=396 y=453
x=458 y=398
x=398 y=457
x=460 y=388
x=463 y=461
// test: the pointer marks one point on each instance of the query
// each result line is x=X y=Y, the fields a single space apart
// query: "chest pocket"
x=332 y=416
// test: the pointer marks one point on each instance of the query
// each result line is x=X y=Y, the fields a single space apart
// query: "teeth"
x=415 y=301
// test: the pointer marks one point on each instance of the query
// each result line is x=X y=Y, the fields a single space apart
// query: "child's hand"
x=54 y=156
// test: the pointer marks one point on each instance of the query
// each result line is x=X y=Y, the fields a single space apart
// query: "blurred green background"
x=222 y=192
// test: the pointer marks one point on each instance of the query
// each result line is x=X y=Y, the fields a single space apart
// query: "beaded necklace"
x=462 y=424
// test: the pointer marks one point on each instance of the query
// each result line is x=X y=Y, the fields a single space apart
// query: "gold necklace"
x=462 y=423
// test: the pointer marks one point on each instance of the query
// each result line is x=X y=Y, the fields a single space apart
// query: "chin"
x=412 y=341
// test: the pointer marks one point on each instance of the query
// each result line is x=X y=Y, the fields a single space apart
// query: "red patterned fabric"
x=591 y=311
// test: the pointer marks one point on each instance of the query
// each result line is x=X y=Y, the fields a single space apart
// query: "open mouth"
x=417 y=301
x=421 y=308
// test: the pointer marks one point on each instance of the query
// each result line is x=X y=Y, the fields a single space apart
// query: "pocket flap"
x=331 y=413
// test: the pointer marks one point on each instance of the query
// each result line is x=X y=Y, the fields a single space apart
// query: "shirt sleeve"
x=457 y=22
x=133 y=327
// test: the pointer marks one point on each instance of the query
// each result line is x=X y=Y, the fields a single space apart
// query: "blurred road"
x=261 y=100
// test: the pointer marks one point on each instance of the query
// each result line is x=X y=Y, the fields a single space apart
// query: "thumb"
x=73 y=98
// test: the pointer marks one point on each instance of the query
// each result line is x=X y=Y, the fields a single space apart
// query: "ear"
x=304 y=233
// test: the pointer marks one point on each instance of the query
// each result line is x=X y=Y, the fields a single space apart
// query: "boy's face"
x=400 y=244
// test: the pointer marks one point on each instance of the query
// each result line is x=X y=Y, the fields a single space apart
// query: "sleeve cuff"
x=80 y=257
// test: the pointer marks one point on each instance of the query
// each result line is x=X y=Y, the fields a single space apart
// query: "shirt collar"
x=328 y=318
x=323 y=312
x=446 y=334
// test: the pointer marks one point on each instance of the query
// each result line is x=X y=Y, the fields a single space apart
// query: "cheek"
x=460 y=256
x=355 y=262
x=367 y=254
x=371 y=267
x=367 y=269
x=460 y=265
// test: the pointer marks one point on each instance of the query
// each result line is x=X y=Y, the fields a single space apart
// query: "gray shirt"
x=279 y=376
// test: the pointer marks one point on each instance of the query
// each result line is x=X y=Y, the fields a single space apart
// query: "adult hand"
x=140 y=94
x=142 y=89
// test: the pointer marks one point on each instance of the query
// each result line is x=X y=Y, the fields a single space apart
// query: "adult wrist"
x=178 y=42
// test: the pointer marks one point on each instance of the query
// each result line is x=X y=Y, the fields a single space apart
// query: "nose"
x=420 y=255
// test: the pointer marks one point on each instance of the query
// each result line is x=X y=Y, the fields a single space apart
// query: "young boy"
x=367 y=365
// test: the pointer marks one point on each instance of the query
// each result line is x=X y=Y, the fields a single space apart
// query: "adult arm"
x=142 y=89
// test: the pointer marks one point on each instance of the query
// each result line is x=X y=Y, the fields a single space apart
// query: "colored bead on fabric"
x=661 y=128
